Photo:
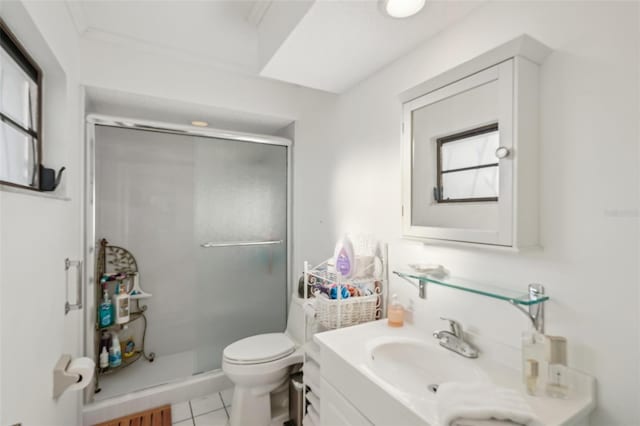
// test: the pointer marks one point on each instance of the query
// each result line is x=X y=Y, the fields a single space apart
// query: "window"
x=20 y=113
x=467 y=166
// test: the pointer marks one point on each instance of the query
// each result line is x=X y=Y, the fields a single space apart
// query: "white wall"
x=589 y=180
x=347 y=178
x=37 y=233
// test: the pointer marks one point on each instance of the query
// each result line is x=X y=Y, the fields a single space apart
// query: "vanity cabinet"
x=337 y=410
x=470 y=150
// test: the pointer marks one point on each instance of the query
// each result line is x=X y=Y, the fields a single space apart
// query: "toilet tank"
x=295 y=320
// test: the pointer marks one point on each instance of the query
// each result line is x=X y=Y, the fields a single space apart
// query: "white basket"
x=332 y=313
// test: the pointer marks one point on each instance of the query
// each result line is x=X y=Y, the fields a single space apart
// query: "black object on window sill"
x=48 y=179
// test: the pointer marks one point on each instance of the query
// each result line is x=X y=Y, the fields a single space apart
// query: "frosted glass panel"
x=240 y=196
x=162 y=196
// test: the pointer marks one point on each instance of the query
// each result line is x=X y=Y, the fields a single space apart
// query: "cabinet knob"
x=502 y=152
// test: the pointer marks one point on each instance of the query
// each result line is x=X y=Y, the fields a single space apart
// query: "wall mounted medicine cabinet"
x=470 y=150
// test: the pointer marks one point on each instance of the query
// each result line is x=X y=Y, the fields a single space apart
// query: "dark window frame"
x=438 y=191
x=10 y=44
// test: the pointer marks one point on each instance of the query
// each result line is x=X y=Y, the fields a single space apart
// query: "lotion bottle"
x=121 y=305
x=395 y=313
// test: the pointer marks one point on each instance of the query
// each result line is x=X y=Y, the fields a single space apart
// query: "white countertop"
x=364 y=389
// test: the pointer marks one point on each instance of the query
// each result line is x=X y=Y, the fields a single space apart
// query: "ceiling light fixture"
x=400 y=8
x=199 y=123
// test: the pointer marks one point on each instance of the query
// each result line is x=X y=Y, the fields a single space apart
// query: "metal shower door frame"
x=89 y=237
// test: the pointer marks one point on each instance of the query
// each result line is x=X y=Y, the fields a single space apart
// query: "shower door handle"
x=240 y=243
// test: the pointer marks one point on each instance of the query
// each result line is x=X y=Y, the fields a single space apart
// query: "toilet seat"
x=258 y=349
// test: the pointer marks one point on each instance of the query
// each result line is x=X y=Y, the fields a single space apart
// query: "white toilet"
x=259 y=365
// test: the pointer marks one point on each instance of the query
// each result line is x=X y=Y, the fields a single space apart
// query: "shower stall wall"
x=206 y=214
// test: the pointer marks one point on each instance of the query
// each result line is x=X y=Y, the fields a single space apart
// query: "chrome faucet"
x=453 y=339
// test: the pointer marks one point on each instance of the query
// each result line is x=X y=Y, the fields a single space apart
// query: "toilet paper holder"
x=62 y=379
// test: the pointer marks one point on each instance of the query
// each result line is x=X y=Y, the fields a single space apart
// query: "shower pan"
x=206 y=213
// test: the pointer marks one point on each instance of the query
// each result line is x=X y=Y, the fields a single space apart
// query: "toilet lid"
x=259 y=348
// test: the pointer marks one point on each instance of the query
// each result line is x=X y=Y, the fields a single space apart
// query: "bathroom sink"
x=390 y=374
x=416 y=368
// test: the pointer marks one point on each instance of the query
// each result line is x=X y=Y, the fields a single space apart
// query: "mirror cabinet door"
x=458 y=186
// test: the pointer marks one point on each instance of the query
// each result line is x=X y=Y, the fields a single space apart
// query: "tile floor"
x=211 y=410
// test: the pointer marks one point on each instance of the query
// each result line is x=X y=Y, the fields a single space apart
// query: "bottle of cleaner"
x=105 y=312
x=128 y=346
x=115 y=354
x=395 y=313
x=104 y=358
x=121 y=305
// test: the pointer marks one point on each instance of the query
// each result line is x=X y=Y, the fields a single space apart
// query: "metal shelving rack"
x=117 y=259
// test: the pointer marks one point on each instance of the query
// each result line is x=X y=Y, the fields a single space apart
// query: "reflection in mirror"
x=468 y=169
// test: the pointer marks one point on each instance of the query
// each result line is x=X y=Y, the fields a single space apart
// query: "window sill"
x=54 y=195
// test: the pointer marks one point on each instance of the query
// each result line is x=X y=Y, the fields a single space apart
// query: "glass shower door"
x=240 y=241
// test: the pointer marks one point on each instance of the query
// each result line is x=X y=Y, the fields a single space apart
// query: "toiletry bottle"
x=534 y=364
x=557 y=380
x=344 y=258
x=121 y=305
x=104 y=358
x=344 y=292
x=395 y=313
x=127 y=345
x=105 y=312
x=115 y=354
x=103 y=351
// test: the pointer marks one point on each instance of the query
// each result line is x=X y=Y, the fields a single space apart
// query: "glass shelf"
x=519 y=298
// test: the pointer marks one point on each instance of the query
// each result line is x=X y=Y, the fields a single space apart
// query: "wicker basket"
x=332 y=313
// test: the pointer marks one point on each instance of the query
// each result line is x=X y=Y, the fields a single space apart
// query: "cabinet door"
x=455 y=186
x=336 y=410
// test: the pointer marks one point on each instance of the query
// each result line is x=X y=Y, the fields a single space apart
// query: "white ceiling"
x=337 y=44
x=329 y=45
x=215 y=30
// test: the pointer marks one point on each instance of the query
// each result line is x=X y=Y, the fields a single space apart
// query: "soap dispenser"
x=395 y=313
x=106 y=310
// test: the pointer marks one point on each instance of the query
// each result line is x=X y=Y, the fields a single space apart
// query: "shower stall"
x=206 y=213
